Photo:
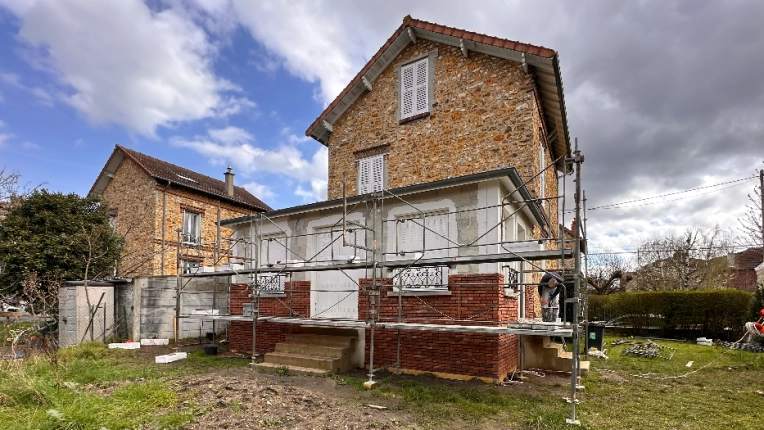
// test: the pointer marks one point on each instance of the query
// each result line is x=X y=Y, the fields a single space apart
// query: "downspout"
x=164 y=220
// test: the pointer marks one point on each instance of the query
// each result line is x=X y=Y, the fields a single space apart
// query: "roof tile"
x=165 y=171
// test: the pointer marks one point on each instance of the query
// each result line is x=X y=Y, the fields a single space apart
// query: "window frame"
x=197 y=234
x=430 y=58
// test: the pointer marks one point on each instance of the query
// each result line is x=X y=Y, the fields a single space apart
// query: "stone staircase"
x=311 y=353
x=540 y=353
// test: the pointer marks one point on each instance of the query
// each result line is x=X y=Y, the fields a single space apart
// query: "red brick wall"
x=268 y=333
x=474 y=297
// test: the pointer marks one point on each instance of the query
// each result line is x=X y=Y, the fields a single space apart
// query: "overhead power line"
x=617 y=205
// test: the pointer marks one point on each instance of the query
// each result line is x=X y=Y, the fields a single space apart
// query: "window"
x=330 y=247
x=435 y=230
x=113 y=221
x=415 y=87
x=415 y=235
x=273 y=250
x=189 y=266
x=192 y=223
x=371 y=174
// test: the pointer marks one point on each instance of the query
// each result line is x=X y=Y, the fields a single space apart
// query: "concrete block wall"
x=474 y=297
x=296 y=296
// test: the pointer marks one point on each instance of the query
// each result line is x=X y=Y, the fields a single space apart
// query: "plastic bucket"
x=211 y=349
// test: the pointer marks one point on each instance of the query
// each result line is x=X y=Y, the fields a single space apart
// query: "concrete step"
x=320 y=339
x=288 y=359
x=311 y=349
x=293 y=370
x=330 y=331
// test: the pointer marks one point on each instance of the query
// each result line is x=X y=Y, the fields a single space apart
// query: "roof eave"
x=320 y=129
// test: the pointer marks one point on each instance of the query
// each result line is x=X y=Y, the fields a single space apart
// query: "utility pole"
x=578 y=159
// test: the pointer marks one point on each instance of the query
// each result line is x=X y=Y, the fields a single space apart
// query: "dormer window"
x=415 y=87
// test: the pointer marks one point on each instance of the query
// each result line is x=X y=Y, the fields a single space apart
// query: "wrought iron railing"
x=512 y=277
x=271 y=283
x=427 y=277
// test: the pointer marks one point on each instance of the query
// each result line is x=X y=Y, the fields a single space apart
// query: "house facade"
x=155 y=205
x=444 y=157
x=744 y=266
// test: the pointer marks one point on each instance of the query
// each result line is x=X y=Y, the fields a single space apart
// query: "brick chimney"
x=573 y=227
x=229 y=182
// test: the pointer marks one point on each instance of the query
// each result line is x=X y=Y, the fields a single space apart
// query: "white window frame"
x=415 y=86
x=372 y=173
x=192 y=237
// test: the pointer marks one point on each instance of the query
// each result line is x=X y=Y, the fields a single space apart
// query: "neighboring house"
x=150 y=200
x=744 y=266
x=448 y=145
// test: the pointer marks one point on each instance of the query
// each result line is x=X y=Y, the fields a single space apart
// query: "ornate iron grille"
x=513 y=278
x=428 y=277
x=272 y=283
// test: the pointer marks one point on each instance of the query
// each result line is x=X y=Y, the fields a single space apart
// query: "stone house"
x=150 y=200
x=444 y=157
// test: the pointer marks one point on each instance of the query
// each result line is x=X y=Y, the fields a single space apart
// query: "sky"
x=663 y=96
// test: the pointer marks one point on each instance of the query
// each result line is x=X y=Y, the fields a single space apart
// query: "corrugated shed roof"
x=749 y=259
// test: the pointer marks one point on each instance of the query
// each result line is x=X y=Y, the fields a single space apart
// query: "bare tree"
x=696 y=259
x=751 y=223
x=608 y=273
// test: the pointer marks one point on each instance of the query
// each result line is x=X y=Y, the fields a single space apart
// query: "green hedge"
x=676 y=313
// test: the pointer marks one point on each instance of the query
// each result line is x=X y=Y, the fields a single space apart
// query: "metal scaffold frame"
x=370 y=256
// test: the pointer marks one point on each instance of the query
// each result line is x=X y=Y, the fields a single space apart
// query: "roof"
x=748 y=259
x=532 y=209
x=545 y=63
x=175 y=175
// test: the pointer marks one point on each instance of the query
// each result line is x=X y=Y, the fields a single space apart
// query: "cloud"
x=120 y=62
x=263 y=192
x=2 y=124
x=235 y=146
x=42 y=95
x=4 y=138
x=29 y=145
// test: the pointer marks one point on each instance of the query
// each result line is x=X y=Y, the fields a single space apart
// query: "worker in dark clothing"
x=549 y=290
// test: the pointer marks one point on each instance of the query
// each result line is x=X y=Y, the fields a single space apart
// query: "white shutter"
x=436 y=235
x=273 y=250
x=422 y=70
x=414 y=88
x=407 y=91
x=323 y=238
x=371 y=174
x=377 y=172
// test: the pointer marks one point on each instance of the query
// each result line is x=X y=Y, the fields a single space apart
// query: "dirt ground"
x=245 y=398
x=242 y=398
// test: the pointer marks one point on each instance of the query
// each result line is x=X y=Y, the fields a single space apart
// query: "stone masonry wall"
x=178 y=200
x=131 y=195
x=296 y=297
x=485 y=115
x=473 y=298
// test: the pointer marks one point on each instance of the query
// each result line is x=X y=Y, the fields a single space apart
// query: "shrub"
x=711 y=313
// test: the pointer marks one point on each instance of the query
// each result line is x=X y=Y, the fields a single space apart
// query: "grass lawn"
x=719 y=396
x=93 y=387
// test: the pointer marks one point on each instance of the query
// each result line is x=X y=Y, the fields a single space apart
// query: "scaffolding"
x=365 y=245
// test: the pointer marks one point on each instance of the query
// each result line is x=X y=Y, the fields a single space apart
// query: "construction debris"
x=647 y=349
